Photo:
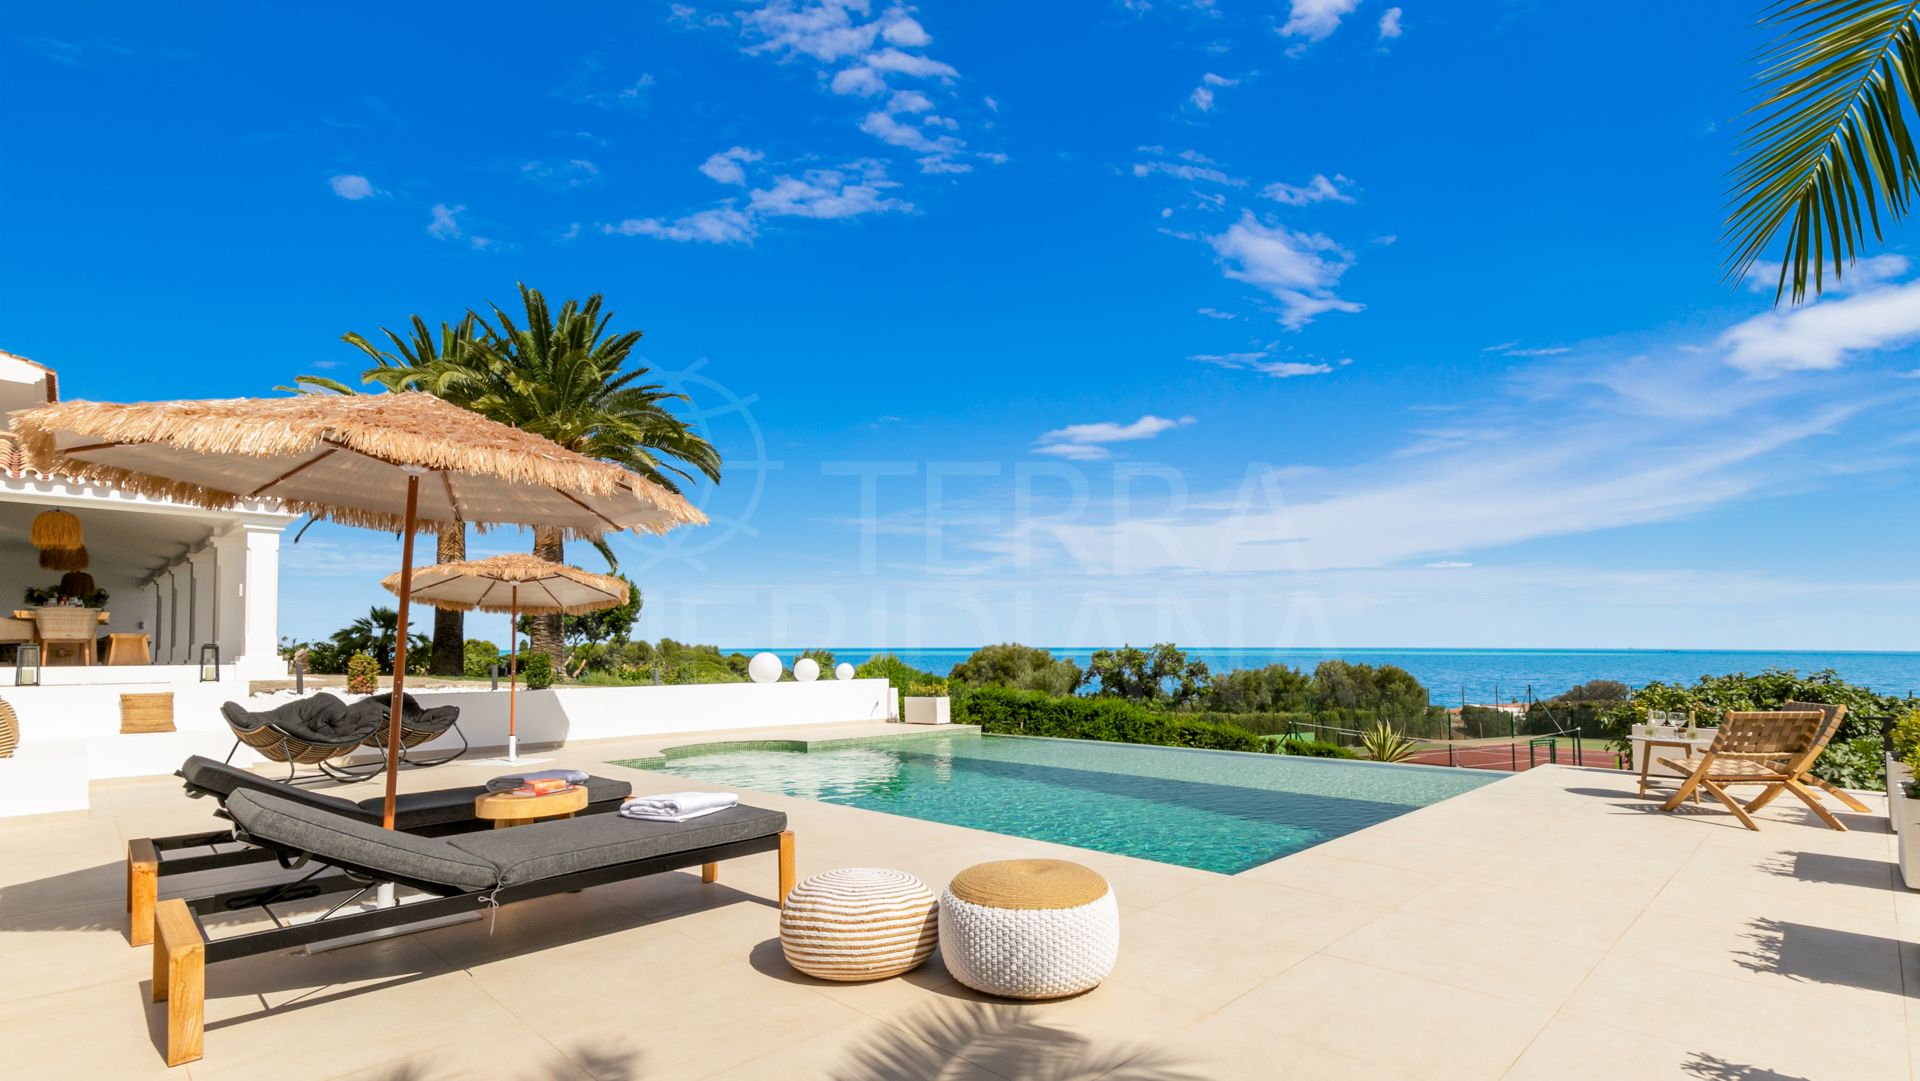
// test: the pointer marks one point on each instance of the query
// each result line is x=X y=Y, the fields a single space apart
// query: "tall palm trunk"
x=548 y=634
x=450 y=627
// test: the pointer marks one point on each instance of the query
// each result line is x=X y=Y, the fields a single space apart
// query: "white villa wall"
x=70 y=735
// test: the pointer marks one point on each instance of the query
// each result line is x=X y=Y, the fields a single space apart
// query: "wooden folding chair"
x=1832 y=715
x=1755 y=748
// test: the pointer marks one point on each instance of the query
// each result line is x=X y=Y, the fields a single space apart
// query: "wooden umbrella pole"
x=513 y=674
x=400 y=649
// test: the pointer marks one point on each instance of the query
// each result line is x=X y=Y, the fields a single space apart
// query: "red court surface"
x=1510 y=756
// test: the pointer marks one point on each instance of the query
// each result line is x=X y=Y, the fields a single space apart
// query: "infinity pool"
x=1214 y=810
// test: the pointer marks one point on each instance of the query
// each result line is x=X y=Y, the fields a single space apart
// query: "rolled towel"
x=520 y=780
x=678 y=806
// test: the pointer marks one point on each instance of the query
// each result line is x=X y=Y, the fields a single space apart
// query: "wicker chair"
x=1756 y=748
x=9 y=730
x=308 y=732
x=1832 y=715
x=417 y=725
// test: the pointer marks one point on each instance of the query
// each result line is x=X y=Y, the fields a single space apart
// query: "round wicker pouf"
x=858 y=923
x=1029 y=928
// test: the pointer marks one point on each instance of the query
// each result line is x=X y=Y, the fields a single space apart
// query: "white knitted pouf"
x=1029 y=928
x=858 y=923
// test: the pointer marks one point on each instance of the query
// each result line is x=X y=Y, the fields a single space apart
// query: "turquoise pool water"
x=1214 y=810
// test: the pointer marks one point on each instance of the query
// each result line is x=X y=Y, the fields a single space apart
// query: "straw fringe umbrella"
x=403 y=461
x=514 y=584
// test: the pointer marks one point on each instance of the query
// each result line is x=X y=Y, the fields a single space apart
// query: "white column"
x=201 y=608
x=259 y=592
x=173 y=618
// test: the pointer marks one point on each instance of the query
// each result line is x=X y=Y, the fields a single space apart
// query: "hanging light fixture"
x=64 y=559
x=55 y=529
x=77 y=584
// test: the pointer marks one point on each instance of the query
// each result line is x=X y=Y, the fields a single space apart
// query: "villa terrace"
x=1550 y=925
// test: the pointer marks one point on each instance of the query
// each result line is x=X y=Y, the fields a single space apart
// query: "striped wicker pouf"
x=1029 y=928
x=858 y=923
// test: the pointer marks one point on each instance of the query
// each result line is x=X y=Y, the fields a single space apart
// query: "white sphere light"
x=843 y=670
x=764 y=668
x=806 y=669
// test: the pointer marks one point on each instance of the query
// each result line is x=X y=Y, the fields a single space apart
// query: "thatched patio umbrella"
x=403 y=462
x=516 y=585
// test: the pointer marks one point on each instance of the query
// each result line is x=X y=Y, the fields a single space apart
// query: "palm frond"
x=1832 y=149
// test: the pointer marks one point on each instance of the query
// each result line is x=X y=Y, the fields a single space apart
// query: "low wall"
x=70 y=735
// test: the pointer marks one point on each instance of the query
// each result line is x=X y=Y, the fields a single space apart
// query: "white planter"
x=1909 y=830
x=1897 y=802
x=929 y=710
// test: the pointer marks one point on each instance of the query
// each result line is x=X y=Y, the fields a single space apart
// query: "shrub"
x=1107 y=718
x=1856 y=764
x=1906 y=738
x=1024 y=668
x=1313 y=748
x=479 y=657
x=1483 y=721
x=1260 y=724
x=536 y=670
x=363 y=674
x=1384 y=744
x=905 y=678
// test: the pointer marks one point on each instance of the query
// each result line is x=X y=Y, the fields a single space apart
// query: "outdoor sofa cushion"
x=374 y=711
x=456 y=804
x=223 y=781
x=335 y=838
x=550 y=849
x=321 y=719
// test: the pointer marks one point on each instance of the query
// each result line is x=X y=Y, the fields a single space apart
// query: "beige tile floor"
x=1548 y=926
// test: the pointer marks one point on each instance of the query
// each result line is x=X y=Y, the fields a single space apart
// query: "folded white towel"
x=517 y=780
x=646 y=816
x=675 y=806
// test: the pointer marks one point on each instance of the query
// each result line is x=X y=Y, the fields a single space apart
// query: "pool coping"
x=720 y=746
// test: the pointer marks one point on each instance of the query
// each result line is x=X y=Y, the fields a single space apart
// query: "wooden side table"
x=1650 y=743
x=505 y=809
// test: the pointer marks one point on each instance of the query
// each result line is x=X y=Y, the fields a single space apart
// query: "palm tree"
x=562 y=376
x=375 y=634
x=1833 y=148
x=435 y=363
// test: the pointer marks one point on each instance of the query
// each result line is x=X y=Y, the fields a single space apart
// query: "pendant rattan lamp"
x=402 y=462
x=517 y=585
x=55 y=529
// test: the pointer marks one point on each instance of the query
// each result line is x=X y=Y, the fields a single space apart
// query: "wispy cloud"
x=353 y=187
x=1269 y=360
x=728 y=166
x=720 y=225
x=1297 y=269
x=1315 y=20
x=1089 y=442
x=1390 y=27
x=1202 y=97
x=559 y=175
x=1188 y=165
x=849 y=191
x=1320 y=189
x=445 y=224
x=594 y=80
x=1825 y=334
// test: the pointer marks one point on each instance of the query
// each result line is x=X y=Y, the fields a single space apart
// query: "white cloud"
x=1189 y=165
x=1215 y=313
x=1088 y=442
x=825 y=194
x=1210 y=79
x=1316 y=19
x=1764 y=275
x=726 y=166
x=1447 y=564
x=1318 y=190
x=1826 y=333
x=445 y=224
x=1263 y=361
x=572 y=173
x=1201 y=99
x=354 y=187
x=1390 y=24
x=939 y=149
x=1297 y=269
x=721 y=225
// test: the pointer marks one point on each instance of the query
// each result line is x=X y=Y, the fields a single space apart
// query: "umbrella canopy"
x=492 y=585
x=405 y=461
x=347 y=457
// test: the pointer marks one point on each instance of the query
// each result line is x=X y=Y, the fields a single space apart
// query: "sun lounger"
x=1754 y=748
x=432 y=813
x=470 y=872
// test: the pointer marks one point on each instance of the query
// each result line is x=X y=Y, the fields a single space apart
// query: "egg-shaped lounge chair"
x=418 y=725
x=317 y=731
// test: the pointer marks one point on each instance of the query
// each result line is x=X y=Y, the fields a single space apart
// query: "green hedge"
x=1113 y=720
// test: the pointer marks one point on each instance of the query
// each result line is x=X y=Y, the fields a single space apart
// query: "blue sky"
x=1309 y=323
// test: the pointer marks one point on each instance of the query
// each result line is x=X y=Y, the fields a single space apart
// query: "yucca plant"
x=1384 y=743
x=1832 y=149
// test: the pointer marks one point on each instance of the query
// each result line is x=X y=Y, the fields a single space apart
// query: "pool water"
x=1213 y=810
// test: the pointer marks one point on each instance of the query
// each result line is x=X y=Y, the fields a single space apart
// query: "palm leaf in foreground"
x=1834 y=142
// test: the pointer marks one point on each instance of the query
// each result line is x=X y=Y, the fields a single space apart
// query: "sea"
x=1503 y=675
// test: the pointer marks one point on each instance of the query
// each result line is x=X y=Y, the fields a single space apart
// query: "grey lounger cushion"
x=321 y=719
x=333 y=837
x=456 y=804
x=375 y=711
x=224 y=780
x=550 y=849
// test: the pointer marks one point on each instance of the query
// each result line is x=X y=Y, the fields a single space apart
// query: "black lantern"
x=210 y=663
x=26 y=666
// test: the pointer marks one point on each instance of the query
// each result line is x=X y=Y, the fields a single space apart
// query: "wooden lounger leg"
x=180 y=979
x=1807 y=797
x=709 y=872
x=1732 y=804
x=143 y=887
x=786 y=866
x=1839 y=793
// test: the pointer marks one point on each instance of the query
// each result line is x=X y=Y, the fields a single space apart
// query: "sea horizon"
x=1488 y=674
